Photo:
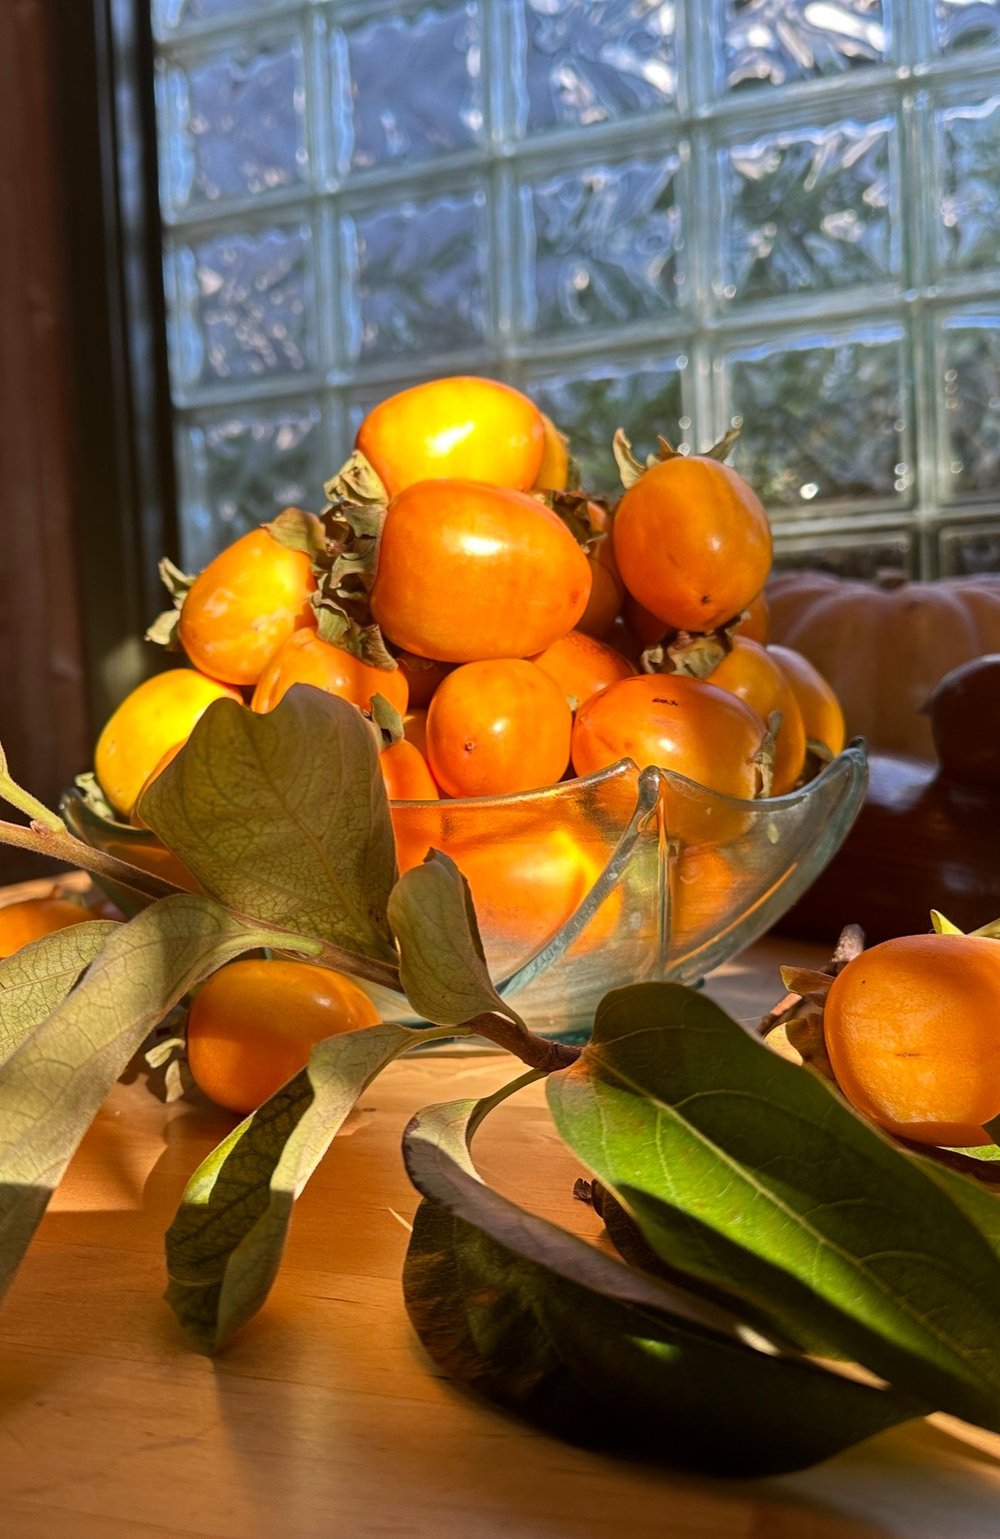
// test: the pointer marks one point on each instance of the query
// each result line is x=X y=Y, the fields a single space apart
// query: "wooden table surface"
x=324 y=1417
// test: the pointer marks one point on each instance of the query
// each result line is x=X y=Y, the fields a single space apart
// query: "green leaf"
x=442 y=966
x=225 y=1245
x=750 y=1173
x=38 y=977
x=56 y=1077
x=943 y=926
x=283 y=818
x=574 y=1341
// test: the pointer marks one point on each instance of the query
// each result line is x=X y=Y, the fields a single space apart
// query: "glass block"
x=964 y=24
x=589 y=401
x=245 y=306
x=864 y=557
x=601 y=245
x=235 y=123
x=969 y=149
x=407 y=87
x=777 y=42
x=969 y=552
x=592 y=61
x=419 y=274
x=169 y=15
x=809 y=209
x=970 y=355
x=243 y=468
x=824 y=418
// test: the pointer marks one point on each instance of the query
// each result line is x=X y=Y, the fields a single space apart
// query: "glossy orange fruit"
x=244 y=605
x=155 y=717
x=252 y=1026
x=415 y=729
x=406 y=773
x=911 y=1033
x=756 y=622
x=423 y=675
x=582 y=666
x=750 y=672
x=155 y=772
x=607 y=592
x=305 y=659
x=477 y=429
x=553 y=472
x=822 y=714
x=468 y=572
x=646 y=627
x=497 y=726
x=692 y=542
x=31 y=918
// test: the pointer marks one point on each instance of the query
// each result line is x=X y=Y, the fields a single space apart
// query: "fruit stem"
x=18 y=797
x=56 y=843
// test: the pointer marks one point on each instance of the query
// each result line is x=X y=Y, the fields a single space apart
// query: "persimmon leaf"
x=442 y=966
x=570 y=1338
x=283 y=818
x=224 y=1246
x=57 y=1075
x=748 y=1172
x=38 y=977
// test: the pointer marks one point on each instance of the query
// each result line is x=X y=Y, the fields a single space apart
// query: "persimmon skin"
x=692 y=542
x=911 y=1033
x=423 y=675
x=158 y=713
x=407 y=774
x=822 y=714
x=154 y=774
x=478 y=429
x=415 y=728
x=646 y=627
x=32 y=918
x=526 y=888
x=750 y=672
x=681 y=724
x=756 y=622
x=497 y=726
x=305 y=659
x=553 y=472
x=468 y=572
x=245 y=603
x=252 y=1025
x=582 y=666
x=607 y=591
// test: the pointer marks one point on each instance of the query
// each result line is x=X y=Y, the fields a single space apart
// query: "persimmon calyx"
x=694 y=653
x=296 y=529
x=632 y=469
x=944 y=926
x=794 y=1027
x=386 y=723
x=343 y=544
x=163 y=630
x=572 y=509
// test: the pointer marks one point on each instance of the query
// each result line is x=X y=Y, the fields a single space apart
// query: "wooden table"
x=324 y=1418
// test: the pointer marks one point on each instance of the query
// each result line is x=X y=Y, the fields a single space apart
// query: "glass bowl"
x=581 y=887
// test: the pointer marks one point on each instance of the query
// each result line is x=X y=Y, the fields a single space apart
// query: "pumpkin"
x=885 y=646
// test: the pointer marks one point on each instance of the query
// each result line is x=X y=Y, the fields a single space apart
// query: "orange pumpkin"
x=883 y=647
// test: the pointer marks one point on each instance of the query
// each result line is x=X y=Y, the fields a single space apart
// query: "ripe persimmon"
x=305 y=659
x=245 y=603
x=692 y=542
x=755 y=624
x=497 y=726
x=468 y=572
x=252 y=1026
x=31 y=918
x=157 y=715
x=553 y=472
x=406 y=773
x=607 y=591
x=911 y=1033
x=582 y=666
x=822 y=715
x=750 y=672
x=478 y=429
x=423 y=675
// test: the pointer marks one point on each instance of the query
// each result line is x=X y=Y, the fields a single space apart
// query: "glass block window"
x=659 y=214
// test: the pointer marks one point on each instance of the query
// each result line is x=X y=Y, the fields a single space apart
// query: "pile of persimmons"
x=521 y=632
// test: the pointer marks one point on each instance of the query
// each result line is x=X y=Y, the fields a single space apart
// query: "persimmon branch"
x=59 y=844
x=536 y=1052
x=18 y=797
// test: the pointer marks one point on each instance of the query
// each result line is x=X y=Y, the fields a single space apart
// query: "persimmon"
x=646 y=627
x=158 y=714
x=478 y=429
x=911 y=1033
x=553 y=472
x=822 y=714
x=751 y=673
x=692 y=542
x=406 y=773
x=607 y=591
x=305 y=659
x=415 y=729
x=755 y=623
x=686 y=725
x=581 y=666
x=703 y=893
x=423 y=675
x=155 y=772
x=243 y=605
x=252 y=1026
x=32 y=918
x=497 y=726
x=468 y=572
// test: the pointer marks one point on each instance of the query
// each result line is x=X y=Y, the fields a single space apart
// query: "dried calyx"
x=632 y=469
